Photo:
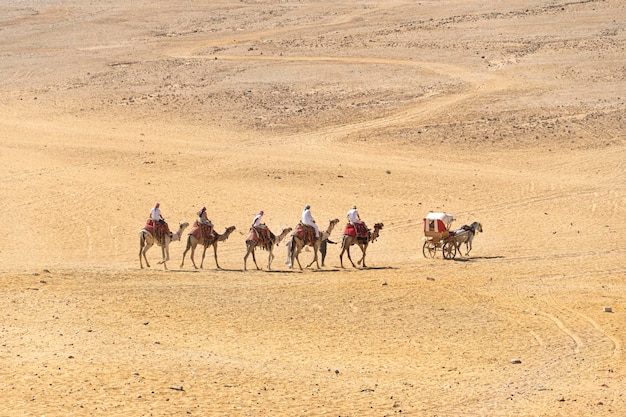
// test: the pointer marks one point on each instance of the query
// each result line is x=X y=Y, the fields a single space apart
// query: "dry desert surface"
x=510 y=113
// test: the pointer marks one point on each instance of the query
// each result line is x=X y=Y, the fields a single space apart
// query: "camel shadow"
x=200 y=270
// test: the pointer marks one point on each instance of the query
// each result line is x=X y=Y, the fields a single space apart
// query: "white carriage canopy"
x=437 y=222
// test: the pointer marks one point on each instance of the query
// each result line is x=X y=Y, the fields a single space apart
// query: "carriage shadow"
x=476 y=258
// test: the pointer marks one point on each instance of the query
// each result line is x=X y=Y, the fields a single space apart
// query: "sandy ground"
x=508 y=113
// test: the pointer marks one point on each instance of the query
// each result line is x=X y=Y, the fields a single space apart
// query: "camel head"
x=377 y=228
x=181 y=227
x=282 y=235
x=332 y=225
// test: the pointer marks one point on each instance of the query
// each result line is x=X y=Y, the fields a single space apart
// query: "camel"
x=146 y=240
x=297 y=244
x=362 y=242
x=251 y=245
x=193 y=241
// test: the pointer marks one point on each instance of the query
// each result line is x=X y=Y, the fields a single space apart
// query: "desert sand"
x=509 y=113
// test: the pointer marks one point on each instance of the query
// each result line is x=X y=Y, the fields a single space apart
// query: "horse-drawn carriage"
x=438 y=235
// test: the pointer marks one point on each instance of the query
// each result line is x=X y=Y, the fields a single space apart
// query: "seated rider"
x=158 y=222
x=260 y=228
x=206 y=227
x=307 y=219
x=355 y=220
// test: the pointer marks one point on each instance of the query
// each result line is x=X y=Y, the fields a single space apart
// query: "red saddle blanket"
x=157 y=230
x=360 y=231
x=305 y=233
x=201 y=231
x=261 y=234
x=149 y=226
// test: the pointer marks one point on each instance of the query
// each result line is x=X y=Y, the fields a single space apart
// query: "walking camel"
x=193 y=241
x=298 y=242
x=252 y=242
x=362 y=242
x=146 y=240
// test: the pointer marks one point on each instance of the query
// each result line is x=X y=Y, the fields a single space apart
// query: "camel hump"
x=252 y=235
x=305 y=233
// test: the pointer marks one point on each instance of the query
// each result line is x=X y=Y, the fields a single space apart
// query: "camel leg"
x=167 y=253
x=192 y=255
x=203 y=255
x=166 y=256
x=215 y=255
x=145 y=249
x=362 y=260
x=185 y=252
x=141 y=244
x=341 y=256
x=316 y=248
x=162 y=255
x=245 y=258
x=295 y=255
x=254 y=259
x=270 y=258
x=345 y=247
x=350 y=256
x=144 y=245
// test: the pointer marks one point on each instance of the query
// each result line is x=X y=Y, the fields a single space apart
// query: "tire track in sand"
x=572 y=323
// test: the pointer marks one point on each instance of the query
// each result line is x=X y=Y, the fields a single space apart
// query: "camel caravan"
x=305 y=234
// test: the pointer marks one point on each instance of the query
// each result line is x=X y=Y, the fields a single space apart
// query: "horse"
x=466 y=235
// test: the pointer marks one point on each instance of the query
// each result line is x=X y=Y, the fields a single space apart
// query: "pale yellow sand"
x=508 y=113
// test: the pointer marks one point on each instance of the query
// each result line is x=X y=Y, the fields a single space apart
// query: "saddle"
x=262 y=236
x=360 y=230
x=201 y=231
x=158 y=229
x=305 y=233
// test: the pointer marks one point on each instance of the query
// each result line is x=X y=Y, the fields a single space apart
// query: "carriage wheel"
x=449 y=250
x=429 y=250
